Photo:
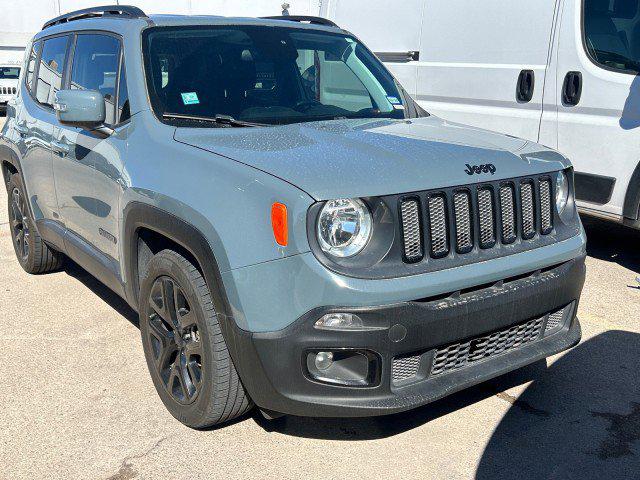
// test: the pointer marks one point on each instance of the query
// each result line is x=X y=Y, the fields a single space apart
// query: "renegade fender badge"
x=486 y=168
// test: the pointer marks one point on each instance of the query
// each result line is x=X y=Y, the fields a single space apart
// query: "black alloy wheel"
x=175 y=340
x=19 y=224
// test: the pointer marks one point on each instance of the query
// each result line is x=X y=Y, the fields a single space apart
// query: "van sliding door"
x=484 y=63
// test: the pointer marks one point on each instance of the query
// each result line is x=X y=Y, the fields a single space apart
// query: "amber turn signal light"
x=279 y=223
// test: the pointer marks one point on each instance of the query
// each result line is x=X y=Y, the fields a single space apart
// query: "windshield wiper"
x=218 y=119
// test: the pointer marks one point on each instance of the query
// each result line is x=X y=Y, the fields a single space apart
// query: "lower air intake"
x=460 y=355
x=406 y=367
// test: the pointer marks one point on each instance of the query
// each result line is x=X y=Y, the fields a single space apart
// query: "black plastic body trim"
x=278 y=382
x=631 y=208
x=593 y=188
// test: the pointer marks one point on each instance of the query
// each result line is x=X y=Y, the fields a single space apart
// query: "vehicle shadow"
x=372 y=428
x=112 y=299
x=613 y=242
x=589 y=426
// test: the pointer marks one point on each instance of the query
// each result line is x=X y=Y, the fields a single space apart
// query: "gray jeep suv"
x=294 y=231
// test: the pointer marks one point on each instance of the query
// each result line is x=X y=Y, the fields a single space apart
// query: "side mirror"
x=81 y=108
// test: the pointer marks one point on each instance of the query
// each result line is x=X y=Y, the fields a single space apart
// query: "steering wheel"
x=304 y=105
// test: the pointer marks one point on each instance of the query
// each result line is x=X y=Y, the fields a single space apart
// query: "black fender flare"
x=9 y=156
x=139 y=215
x=631 y=207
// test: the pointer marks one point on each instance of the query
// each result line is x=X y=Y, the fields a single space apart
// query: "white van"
x=560 y=72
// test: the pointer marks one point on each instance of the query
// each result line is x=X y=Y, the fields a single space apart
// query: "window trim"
x=583 y=36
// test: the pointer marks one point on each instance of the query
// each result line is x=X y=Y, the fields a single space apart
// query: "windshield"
x=271 y=75
x=11 y=73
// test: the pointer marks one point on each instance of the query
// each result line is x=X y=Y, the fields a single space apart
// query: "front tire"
x=185 y=351
x=32 y=253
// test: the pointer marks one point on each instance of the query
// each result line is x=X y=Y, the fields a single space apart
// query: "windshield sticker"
x=190 y=98
x=393 y=100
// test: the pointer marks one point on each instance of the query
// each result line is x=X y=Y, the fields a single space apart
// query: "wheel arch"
x=144 y=223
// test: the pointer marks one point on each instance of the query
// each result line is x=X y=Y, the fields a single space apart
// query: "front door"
x=87 y=164
x=598 y=98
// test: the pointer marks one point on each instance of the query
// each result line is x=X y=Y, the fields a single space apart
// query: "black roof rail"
x=304 y=18
x=103 y=11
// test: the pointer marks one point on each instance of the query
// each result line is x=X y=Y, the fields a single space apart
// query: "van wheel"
x=33 y=254
x=185 y=351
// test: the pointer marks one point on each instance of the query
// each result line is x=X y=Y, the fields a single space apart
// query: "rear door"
x=483 y=63
x=35 y=123
x=88 y=163
x=598 y=100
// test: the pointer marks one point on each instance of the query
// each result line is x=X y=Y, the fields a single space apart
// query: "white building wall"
x=23 y=18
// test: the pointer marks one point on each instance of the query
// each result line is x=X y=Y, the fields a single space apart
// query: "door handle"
x=21 y=129
x=61 y=148
x=525 y=86
x=572 y=88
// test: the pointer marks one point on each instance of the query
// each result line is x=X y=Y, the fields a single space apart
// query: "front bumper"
x=272 y=365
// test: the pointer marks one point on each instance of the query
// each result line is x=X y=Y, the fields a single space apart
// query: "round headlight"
x=344 y=227
x=562 y=191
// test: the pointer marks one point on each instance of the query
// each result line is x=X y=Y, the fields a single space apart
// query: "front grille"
x=463 y=220
x=438 y=226
x=462 y=215
x=406 y=367
x=411 y=229
x=546 y=212
x=459 y=355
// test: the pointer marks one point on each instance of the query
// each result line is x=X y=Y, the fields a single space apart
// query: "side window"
x=124 y=112
x=31 y=66
x=50 y=69
x=612 y=33
x=95 y=67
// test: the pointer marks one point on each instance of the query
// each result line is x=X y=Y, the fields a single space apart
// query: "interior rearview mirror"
x=82 y=108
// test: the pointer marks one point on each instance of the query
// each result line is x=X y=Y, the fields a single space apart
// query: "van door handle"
x=61 y=148
x=572 y=88
x=525 y=86
x=21 y=129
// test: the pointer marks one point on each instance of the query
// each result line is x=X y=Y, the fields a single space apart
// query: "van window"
x=50 y=69
x=31 y=66
x=95 y=66
x=612 y=33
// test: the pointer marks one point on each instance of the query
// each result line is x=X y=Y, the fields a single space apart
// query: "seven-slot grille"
x=492 y=213
x=7 y=90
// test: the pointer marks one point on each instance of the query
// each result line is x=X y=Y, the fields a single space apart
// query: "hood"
x=360 y=158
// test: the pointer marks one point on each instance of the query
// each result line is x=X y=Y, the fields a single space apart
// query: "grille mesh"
x=462 y=212
x=405 y=367
x=526 y=205
x=487 y=228
x=554 y=319
x=508 y=214
x=438 y=226
x=546 y=222
x=411 y=228
x=459 y=355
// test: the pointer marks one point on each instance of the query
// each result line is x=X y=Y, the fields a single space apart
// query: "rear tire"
x=33 y=254
x=185 y=351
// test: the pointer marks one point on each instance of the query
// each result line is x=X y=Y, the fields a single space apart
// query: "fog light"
x=323 y=360
x=357 y=368
x=339 y=321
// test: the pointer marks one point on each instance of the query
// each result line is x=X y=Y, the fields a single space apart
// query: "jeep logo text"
x=487 y=168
